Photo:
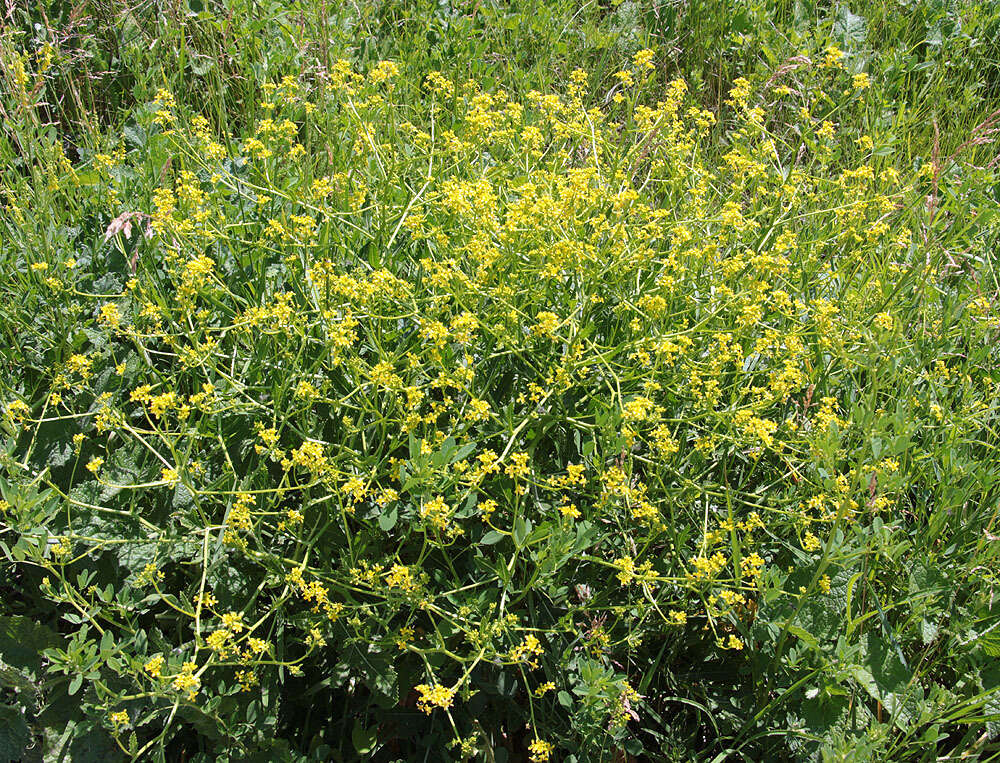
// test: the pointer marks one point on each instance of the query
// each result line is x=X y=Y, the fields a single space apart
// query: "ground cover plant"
x=584 y=382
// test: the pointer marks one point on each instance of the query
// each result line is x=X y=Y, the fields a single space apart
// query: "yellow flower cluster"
x=435 y=695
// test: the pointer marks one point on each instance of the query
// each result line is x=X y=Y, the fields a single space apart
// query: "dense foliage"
x=626 y=404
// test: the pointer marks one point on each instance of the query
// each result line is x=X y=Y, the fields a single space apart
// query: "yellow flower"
x=436 y=512
x=384 y=375
x=218 y=641
x=233 y=621
x=257 y=646
x=109 y=316
x=545 y=687
x=546 y=323
x=119 y=719
x=540 y=750
x=569 y=510
x=150 y=574
x=625 y=78
x=404 y=638
x=400 y=576
x=310 y=456
x=315 y=638
x=629 y=572
x=518 y=466
x=740 y=92
x=643 y=60
x=385 y=70
x=247 y=679
x=18 y=410
x=528 y=651
x=306 y=391
x=154 y=666
x=434 y=696
x=478 y=410
x=187 y=681
x=487 y=508
x=161 y=403
x=833 y=56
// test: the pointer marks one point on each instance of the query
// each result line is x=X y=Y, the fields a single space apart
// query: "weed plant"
x=630 y=394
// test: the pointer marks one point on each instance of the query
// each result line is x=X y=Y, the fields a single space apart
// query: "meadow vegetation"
x=570 y=381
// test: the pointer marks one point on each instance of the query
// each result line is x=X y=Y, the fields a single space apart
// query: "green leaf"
x=848 y=27
x=22 y=641
x=522 y=529
x=886 y=679
x=11 y=678
x=803 y=634
x=990 y=645
x=14 y=733
x=491 y=537
x=463 y=451
x=364 y=739
x=67 y=737
x=135 y=135
x=388 y=519
x=928 y=631
x=876 y=447
x=926 y=577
